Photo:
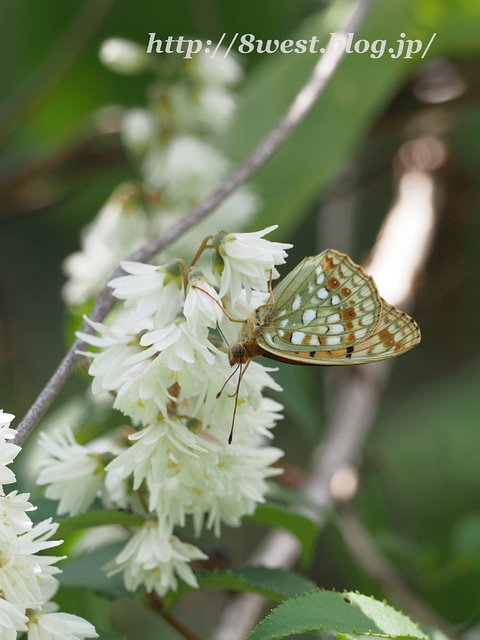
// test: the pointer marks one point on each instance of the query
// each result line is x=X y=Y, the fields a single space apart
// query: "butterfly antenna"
x=230 y=437
x=227 y=381
x=223 y=335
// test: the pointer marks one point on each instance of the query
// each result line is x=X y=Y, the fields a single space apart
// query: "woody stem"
x=204 y=245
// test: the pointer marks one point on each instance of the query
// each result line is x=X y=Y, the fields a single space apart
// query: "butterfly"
x=327 y=311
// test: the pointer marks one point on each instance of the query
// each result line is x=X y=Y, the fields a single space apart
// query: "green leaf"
x=348 y=612
x=86 y=571
x=97 y=519
x=290 y=496
x=305 y=529
x=275 y=584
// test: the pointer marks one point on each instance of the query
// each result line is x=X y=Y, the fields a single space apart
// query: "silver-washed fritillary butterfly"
x=327 y=311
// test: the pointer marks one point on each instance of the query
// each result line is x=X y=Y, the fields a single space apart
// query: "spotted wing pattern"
x=395 y=334
x=327 y=302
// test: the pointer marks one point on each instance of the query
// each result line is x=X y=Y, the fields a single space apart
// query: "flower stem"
x=201 y=249
x=156 y=605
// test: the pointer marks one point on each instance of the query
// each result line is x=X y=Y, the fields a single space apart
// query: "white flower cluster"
x=27 y=581
x=164 y=370
x=177 y=166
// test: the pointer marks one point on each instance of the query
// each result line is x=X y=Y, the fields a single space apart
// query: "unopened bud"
x=218 y=263
x=138 y=128
x=123 y=56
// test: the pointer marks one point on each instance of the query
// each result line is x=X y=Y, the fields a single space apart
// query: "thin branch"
x=155 y=604
x=358 y=401
x=300 y=107
x=81 y=157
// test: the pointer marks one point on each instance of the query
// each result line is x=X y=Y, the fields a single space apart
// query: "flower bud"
x=138 y=128
x=218 y=263
x=123 y=56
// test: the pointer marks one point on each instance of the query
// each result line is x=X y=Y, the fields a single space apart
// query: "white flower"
x=219 y=70
x=72 y=472
x=120 y=228
x=23 y=573
x=8 y=451
x=13 y=517
x=59 y=626
x=205 y=109
x=178 y=346
x=158 y=455
x=153 y=291
x=12 y=619
x=138 y=129
x=248 y=261
x=186 y=170
x=123 y=56
x=203 y=307
x=138 y=390
x=26 y=575
x=241 y=484
x=5 y=420
x=195 y=472
x=134 y=383
x=153 y=558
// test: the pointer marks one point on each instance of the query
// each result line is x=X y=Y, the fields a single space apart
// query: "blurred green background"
x=419 y=492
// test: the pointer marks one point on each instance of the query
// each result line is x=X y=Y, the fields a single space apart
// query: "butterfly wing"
x=395 y=334
x=327 y=302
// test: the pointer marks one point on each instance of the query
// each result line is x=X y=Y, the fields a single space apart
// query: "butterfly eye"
x=237 y=354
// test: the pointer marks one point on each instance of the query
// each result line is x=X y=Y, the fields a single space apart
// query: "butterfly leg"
x=242 y=373
x=219 y=305
x=230 y=437
x=270 y=288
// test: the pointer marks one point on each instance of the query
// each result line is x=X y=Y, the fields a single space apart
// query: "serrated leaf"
x=86 y=571
x=98 y=518
x=348 y=612
x=305 y=529
x=274 y=584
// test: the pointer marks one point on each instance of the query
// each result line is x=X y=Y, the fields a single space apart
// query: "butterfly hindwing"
x=395 y=334
x=327 y=302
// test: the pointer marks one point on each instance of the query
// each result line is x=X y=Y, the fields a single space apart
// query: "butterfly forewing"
x=327 y=302
x=395 y=334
